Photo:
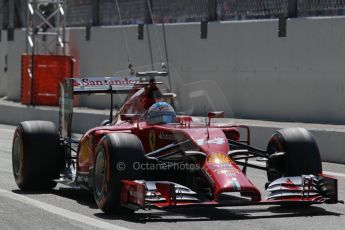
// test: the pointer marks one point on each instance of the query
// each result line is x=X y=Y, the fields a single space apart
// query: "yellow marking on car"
x=152 y=139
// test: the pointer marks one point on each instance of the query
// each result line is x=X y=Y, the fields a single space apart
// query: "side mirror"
x=129 y=117
x=184 y=119
x=105 y=122
x=215 y=114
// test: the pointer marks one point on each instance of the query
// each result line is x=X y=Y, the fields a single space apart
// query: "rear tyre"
x=302 y=156
x=37 y=156
x=116 y=154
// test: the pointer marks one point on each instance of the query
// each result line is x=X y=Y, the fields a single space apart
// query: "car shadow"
x=84 y=197
x=211 y=214
x=81 y=196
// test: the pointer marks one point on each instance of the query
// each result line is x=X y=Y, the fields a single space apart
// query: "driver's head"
x=161 y=113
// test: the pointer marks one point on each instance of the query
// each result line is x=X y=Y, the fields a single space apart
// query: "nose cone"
x=226 y=176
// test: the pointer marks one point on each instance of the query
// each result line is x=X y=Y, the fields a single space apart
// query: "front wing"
x=302 y=190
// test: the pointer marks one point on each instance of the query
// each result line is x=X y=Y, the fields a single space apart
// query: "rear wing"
x=90 y=85
x=94 y=85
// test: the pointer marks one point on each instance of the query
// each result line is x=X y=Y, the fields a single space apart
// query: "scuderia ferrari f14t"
x=147 y=155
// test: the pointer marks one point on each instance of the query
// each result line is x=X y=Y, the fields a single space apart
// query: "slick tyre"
x=302 y=156
x=37 y=156
x=116 y=154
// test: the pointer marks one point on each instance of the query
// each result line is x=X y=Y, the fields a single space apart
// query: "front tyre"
x=302 y=156
x=116 y=154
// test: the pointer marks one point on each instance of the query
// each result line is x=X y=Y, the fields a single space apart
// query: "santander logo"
x=104 y=81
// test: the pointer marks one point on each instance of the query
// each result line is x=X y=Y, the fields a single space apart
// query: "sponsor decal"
x=216 y=141
x=170 y=136
x=218 y=158
x=233 y=172
x=224 y=168
x=117 y=83
x=152 y=139
x=83 y=156
x=230 y=172
x=221 y=164
x=167 y=136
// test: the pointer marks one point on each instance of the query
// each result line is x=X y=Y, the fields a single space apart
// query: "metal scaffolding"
x=46 y=27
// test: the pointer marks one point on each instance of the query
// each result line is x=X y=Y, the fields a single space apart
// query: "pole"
x=212 y=10
x=292 y=9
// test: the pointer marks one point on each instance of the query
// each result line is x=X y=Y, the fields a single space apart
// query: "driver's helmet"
x=161 y=113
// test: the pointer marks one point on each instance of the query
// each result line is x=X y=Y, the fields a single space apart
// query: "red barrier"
x=42 y=88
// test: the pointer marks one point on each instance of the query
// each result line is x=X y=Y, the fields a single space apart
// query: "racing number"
x=152 y=139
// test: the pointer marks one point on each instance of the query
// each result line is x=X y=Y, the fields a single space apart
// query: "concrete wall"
x=3 y=73
x=242 y=67
x=14 y=51
x=10 y=80
x=330 y=138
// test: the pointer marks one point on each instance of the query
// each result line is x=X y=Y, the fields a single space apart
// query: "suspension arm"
x=250 y=165
x=162 y=152
x=251 y=150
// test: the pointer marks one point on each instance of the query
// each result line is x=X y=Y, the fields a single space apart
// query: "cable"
x=150 y=47
x=166 y=55
x=156 y=37
x=130 y=66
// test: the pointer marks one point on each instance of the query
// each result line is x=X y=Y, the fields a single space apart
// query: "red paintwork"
x=221 y=173
x=224 y=176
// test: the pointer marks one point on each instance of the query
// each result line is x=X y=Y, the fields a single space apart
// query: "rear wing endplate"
x=65 y=109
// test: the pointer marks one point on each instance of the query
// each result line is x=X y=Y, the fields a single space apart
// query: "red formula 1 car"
x=135 y=161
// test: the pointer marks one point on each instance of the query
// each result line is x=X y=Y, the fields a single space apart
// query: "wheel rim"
x=100 y=169
x=16 y=155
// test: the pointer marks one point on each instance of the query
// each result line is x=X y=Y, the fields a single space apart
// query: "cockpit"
x=139 y=102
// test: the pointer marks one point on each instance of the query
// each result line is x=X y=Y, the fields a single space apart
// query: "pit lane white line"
x=61 y=212
x=7 y=130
